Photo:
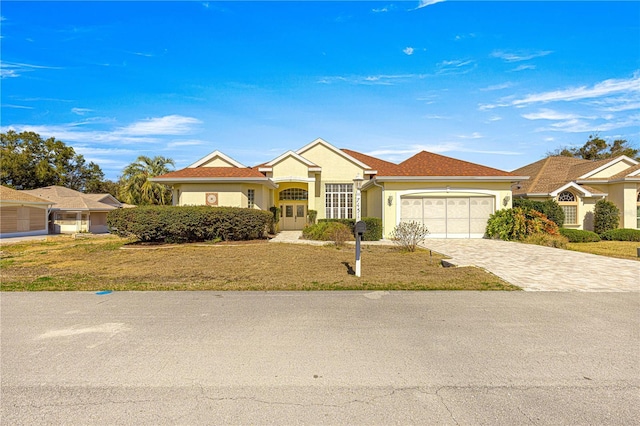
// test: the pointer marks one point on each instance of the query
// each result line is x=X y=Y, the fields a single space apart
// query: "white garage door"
x=451 y=217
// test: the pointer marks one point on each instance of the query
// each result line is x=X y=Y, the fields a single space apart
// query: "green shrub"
x=550 y=208
x=517 y=223
x=189 y=223
x=328 y=231
x=621 y=234
x=541 y=239
x=579 y=236
x=374 y=227
x=409 y=234
x=275 y=211
x=312 y=215
x=606 y=216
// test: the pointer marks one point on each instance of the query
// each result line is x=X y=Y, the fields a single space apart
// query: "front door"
x=294 y=216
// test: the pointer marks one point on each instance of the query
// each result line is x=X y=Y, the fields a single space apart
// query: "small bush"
x=517 y=223
x=579 y=236
x=606 y=216
x=374 y=227
x=275 y=211
x=541 y=239
x=328 y=231
x=189 y=223
x=550 y=208
x=621 y=234
x=409 y=234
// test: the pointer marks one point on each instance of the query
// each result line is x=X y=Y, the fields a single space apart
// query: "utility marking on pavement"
x=376 y=295
x=100 y=293
x=112 y=328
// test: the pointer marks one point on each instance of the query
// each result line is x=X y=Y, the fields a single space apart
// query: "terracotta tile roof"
x=9 y=194
x=213 y=172
x=384 y=168
x=69 y=199
x=429 y=164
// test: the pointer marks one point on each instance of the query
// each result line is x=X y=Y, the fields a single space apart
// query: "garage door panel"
x=451 y=217
x=412 y=210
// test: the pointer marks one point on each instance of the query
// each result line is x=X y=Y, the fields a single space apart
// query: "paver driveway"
x=537 y=268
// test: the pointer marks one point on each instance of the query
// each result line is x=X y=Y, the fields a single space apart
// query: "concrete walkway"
x=537 y=268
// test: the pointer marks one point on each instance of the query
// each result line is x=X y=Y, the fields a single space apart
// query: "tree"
x=597 y=148
x=136 y=187
x=27 y=162
x=606 y=216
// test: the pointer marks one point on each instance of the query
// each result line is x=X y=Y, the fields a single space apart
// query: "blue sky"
x=497 y=83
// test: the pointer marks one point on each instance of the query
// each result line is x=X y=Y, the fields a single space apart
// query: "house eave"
x=452 y=178
x=171 y=181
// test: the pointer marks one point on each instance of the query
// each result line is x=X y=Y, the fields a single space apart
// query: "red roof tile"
x=384 y=168
x=428 y=164
x=213 y=172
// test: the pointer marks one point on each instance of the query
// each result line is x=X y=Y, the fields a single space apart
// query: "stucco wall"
x=229 y=194
x=395 y=190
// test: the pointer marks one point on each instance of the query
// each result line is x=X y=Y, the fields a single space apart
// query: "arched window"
x=569 y=204
x=294 y=194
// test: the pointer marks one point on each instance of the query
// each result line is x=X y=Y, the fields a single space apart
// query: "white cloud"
x=167 y=125
x=381 y=79
x=549 y=114
x=474 y=135
x=401 y=153
x=455 y=67
x=80 y=111
x=192 y=142
x=524 y=67
x=520 y=55
x=500 y=86
x=425 y=3
x=16 y=106
x=605 y=88
x=408 y=50
x=383 y=9
x=15 y=69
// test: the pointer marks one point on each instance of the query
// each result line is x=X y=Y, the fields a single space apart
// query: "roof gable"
x=330 y=147
x=217 y=159
x=290 y=154
x=610 y=167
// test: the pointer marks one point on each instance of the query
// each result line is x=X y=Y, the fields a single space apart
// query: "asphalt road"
x=468 y=358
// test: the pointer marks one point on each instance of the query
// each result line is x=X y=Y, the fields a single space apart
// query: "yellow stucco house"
x=453 y=198
x=578 y=184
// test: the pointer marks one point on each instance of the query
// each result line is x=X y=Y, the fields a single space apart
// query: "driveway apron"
x=537 y=268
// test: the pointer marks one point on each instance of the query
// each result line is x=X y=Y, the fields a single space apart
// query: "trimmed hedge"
x=173 y=224
x=374 y=227
x=579 y=236
x=621 y=234
x=549 y=208
x=606 y=217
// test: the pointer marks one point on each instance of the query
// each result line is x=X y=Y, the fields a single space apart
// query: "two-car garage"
x=450 y=216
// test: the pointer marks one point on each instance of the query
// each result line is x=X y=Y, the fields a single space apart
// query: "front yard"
x=620 y=249
x=108 y=264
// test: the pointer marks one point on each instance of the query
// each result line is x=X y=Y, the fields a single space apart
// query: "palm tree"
x=136 y=187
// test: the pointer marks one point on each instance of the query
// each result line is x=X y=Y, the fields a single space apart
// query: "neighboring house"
x=453 y=198
x=22 y=214
x=74 y=211
x=578 y=184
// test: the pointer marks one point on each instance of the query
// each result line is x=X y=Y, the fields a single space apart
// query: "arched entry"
x=293 y=203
